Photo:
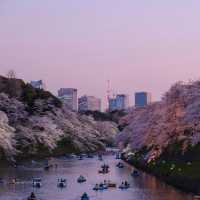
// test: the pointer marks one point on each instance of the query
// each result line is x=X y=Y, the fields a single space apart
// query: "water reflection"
x=144 y=187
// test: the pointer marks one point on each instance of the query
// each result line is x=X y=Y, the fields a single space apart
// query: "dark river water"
x=144 y=187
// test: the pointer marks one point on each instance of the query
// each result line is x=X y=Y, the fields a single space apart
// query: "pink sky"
x=138 y=45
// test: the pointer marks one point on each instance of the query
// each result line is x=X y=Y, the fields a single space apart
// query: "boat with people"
x=96 y=187
x=111 y=184
x=104 y=169
x=47 y=166
x=100 y=157
x=124 y=185
x=37 y=182
x=120 y=165
x=62 y=182
x=103 y=186
x=135 y=173
x=90 y=156
x=81 y=179
x=100 y=187
x=32 y=196
x=80 y=157
x=118 y=156
x=85 y=196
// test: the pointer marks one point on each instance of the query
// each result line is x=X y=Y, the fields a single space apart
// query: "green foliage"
x=105 y=116
x=64 y=146
x=30 y=95
x=179 y=169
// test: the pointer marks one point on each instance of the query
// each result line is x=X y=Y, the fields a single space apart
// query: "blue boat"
x=135 y=173
x=85 y=197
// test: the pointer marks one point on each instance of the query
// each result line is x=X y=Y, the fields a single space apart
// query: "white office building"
x=89 y=103
x=69 y=97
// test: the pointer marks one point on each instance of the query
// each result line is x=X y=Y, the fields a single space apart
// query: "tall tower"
x=108 y=92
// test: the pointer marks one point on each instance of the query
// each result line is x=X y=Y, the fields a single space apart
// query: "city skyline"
x=138 y=46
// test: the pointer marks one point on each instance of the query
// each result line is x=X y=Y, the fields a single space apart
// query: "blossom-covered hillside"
x=34 y=122
x=164 y=138
x=176 y=118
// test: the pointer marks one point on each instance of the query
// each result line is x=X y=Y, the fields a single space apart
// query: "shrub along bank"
x=175 y=167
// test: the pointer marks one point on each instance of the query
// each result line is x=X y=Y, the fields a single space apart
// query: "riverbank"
x=180 y=173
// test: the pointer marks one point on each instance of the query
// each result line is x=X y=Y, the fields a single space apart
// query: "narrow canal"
x=144 y=187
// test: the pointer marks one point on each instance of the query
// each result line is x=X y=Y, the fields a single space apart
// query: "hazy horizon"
x=137 y=45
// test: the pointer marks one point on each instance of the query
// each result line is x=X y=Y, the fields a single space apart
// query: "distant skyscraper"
x=37 y=84
x=142 y=99
x=121 y=102
x=86 y=103
x=112 y=104
x=69 y=97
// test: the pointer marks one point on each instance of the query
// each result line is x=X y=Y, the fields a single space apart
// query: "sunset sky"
x=136 y=44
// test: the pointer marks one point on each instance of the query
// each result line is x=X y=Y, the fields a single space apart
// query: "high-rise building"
x=69 y=97
x=89 y=103
x=120 y=102
x=37 y=84
x=112 y=104
x=142 y=99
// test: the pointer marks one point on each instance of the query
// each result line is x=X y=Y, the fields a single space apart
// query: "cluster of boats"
x=105 y=185
x=62 y=182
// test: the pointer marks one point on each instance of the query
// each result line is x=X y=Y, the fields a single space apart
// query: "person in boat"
x=135 y=173
x=122 y=185
x=81 y=179
x=126 y=184
x=85 y=196
x=96 y=187
x=102 y=186
x=62 y=182
x=32 y=196
x=37 y=182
